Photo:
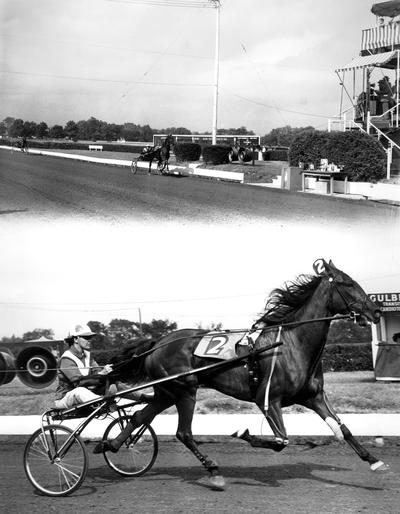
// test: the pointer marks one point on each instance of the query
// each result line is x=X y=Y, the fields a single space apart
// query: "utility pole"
x=217 y=6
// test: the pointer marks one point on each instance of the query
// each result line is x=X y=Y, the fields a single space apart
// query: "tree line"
x=112 y=335
x=118 y=331
x=95 y=130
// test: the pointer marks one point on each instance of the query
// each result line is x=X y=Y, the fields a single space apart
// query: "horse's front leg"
x=185 y=406
x=150 y=163
x=274 y=417
x=321 y=405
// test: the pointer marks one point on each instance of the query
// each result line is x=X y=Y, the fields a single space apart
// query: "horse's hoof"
x=217 y=483
x=379 y=466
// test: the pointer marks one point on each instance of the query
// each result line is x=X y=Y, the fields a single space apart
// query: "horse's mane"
x=284 y=302
x=128 y=364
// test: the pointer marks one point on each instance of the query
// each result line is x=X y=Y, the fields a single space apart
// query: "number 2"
x=215 y=345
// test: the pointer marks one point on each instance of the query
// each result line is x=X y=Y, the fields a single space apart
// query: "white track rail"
x=374 y=425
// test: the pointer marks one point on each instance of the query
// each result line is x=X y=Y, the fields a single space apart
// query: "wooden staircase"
x=393 y=135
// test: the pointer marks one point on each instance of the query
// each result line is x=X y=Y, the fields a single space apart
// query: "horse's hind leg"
x=321 y=405
x=274 y=417
x=185 y=406
x=141 y=417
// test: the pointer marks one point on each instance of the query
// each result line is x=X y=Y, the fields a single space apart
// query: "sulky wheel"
x=55 y=460
x=138 y=453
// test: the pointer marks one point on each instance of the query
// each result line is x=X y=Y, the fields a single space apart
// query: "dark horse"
x=303 y=309
x=161 y=154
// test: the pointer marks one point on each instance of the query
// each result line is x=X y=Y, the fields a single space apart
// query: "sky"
x=55 y=274
x=131 y=61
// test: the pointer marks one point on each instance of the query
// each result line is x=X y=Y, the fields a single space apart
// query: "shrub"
x=103 y=357
x=347 y=357
x=216 y=154
x=276 y=155
x=187 y=152
x=361 y=156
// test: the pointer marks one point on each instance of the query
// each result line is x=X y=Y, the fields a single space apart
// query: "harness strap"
x=253 y=369
x=273 y=362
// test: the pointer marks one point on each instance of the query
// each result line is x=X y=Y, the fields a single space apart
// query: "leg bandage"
x=334 y=426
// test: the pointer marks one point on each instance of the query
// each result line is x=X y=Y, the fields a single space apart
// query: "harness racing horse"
x=160 y=154
x=298 y=314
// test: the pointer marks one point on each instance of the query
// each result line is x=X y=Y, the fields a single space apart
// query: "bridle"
x=348 y=304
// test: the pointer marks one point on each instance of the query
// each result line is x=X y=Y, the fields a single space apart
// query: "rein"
x=270 y=328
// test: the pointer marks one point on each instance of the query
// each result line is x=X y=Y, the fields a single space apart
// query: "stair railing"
x=348 y=123
x=394 y=115
x=343 y=119
x=391 y=143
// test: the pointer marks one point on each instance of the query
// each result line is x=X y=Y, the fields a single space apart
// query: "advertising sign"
x=387 y=302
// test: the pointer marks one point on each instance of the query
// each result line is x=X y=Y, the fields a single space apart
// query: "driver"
x=24 y=144
x=75 y=369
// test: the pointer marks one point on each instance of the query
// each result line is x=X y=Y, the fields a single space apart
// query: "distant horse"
x=299 y=314
x=161 y=154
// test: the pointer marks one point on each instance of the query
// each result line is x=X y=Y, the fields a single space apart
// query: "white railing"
x=383 y=36
x=391 y=143
x=344 y=121
x=392 y=114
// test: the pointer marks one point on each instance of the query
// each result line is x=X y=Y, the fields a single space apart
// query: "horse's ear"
x=321 y=267
x=331 y=265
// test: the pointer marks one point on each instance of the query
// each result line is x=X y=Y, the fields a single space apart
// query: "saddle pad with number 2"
x=221 y=345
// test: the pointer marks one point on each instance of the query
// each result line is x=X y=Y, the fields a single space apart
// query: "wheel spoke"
x=137 y=455
x=64 y=471
x=48 y=471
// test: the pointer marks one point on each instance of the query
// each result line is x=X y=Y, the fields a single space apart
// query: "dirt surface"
x=329 y=478
x=43 y=188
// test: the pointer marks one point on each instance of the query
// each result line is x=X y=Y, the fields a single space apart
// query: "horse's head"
x=346 y=295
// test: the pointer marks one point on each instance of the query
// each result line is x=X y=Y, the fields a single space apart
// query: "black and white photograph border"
x=84 y=240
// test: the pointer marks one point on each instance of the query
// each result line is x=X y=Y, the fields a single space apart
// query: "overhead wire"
x=115 y=81
x=135 y=302
x=153 y=64
x=268 y=106
x=199 y=4
x=262 y=81
x=108 y=47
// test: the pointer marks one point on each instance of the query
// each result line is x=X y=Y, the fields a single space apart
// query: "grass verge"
x=349 y=392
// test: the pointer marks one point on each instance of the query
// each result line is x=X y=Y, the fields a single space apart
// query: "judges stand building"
x=370 y=84
x=385 y=349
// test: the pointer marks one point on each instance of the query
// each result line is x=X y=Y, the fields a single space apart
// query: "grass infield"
x=349 y=392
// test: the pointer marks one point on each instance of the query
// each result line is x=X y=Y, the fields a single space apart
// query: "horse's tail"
x=129 y=363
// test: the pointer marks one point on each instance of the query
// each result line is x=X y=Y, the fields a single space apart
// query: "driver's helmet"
x=78 y=330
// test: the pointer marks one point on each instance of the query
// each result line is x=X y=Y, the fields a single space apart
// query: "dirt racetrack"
x=326 y=479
